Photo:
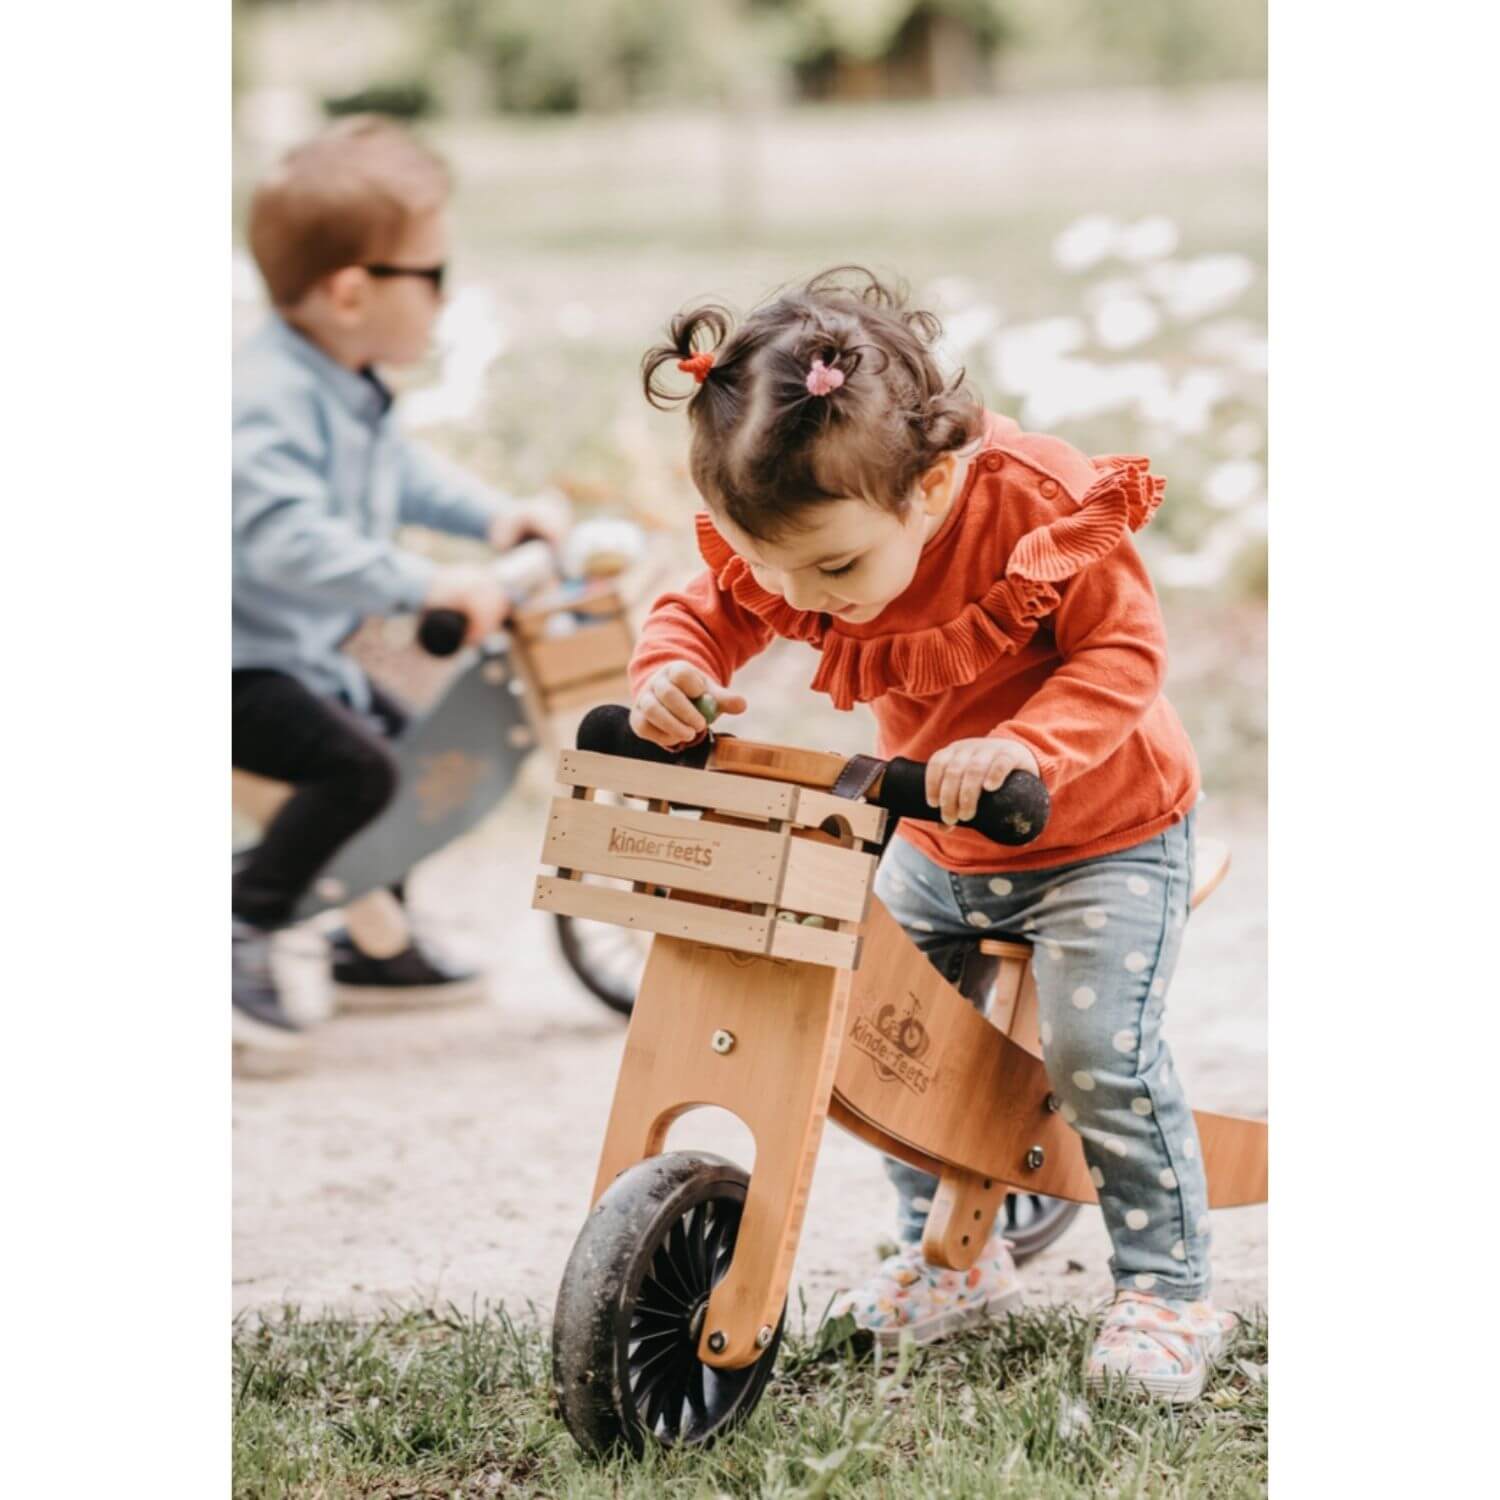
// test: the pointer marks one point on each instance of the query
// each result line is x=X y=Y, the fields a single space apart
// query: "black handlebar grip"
x=442 y=631
x=1014 y=815
x=607 y=731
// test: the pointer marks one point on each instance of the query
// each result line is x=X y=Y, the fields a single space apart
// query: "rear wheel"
x=607 y=959
x=631 y=1307
x=1033 y=1222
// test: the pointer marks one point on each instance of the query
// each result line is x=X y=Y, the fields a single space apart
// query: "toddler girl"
x=978 y=587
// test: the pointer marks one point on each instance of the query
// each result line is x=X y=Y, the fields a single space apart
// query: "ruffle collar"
x=1000 y=622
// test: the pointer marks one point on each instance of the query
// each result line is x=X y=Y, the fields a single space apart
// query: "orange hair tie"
x=698 y=366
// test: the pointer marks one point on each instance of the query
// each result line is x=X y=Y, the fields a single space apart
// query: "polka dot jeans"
x=1106 y=934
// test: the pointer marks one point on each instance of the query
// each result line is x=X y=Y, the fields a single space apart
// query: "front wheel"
x=630 y=1310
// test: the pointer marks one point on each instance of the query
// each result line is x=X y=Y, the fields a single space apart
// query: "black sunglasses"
x=434 y=274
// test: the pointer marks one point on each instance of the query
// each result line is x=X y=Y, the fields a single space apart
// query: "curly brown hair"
x=765 y=449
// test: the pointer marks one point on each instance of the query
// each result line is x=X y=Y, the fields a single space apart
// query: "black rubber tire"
x=597 y=1375
x=616 y=991
x=1032 y=1222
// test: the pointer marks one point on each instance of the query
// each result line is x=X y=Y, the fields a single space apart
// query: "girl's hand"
x=959 y=772
x=664 y=712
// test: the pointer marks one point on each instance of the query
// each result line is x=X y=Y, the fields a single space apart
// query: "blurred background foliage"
x=1076 y=186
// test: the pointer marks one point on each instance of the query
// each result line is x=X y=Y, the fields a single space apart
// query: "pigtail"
x=695 y=338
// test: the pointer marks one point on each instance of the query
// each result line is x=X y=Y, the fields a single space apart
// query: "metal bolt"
x=763 y=1337
x=1053 y=1104
x=723 y=1041
x=717 y=1342
x=1035 y=1157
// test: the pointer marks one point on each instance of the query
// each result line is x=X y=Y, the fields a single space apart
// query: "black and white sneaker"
x=266 y=1039
x=410 y=978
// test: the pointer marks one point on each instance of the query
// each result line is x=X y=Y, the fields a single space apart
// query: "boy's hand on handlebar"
x=474 y=592
x=959 y=772
x=543 y=516
x=664 y=712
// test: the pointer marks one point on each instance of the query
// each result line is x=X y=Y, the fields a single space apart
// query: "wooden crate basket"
x=583 y=665
x=769 y=868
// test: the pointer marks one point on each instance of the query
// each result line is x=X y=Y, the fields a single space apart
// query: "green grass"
x=442 y=1403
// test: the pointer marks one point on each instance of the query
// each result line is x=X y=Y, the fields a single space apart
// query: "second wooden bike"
x=779 y=988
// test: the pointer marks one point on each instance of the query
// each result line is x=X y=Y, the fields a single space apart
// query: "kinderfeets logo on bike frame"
x=896 y=1044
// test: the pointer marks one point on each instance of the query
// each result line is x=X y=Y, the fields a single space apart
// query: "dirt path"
x=450 y=1155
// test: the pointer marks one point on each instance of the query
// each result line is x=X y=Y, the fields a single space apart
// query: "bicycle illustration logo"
x=896 y=1043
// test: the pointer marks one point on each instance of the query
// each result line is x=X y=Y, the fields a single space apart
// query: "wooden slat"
x=641 y=778
x=601 y=601
x=740 y=864
x=590 y=651
x=865 y=821
x=681 y=919
x=827 y=879
x=815 y=945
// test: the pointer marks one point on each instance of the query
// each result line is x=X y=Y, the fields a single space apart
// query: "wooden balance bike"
x=778 y=989
x=474 y=717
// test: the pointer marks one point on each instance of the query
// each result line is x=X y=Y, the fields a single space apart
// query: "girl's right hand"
x=664 y=712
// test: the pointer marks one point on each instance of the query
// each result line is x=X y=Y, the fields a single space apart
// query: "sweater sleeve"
x=1112 y=639
x=703 y=625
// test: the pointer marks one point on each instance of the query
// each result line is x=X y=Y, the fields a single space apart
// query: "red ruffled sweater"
x=1030 y=617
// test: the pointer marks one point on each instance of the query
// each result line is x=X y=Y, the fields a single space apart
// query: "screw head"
x=1053 y=1104
x=1035 y=1157
x=717 y=1341
x=763 y=1337
x=722 y=1042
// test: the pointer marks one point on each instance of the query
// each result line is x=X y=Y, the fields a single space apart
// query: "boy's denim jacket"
x=322 y=479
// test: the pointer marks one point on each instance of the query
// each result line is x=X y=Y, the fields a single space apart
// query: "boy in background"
x=350 y=234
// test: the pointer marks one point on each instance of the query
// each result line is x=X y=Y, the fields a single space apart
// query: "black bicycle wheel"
x=1033 y=1222
x=631 y=1306
x=607 y=959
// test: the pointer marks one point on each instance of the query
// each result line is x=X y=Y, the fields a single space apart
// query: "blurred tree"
x=891 y=48
x=540 y=56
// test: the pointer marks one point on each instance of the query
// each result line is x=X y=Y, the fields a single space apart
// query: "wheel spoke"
x=666 y=1270
x=680 y=1259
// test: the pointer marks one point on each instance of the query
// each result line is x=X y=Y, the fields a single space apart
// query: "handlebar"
x=520 y=572
x=1014 y=815
x=442 y=631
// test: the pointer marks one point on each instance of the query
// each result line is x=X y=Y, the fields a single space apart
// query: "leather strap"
x=857 y=777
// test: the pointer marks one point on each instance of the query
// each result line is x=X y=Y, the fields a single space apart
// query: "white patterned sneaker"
x=1157 y=1346
x=908 y=1295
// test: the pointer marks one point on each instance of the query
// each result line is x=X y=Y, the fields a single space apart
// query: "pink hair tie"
x=823 y=379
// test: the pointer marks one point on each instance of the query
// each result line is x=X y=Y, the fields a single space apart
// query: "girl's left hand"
x=959 y=772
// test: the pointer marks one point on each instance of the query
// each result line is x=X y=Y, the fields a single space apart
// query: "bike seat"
x=1210 y=866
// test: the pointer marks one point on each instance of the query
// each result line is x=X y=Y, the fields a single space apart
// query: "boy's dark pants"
x=343 y=772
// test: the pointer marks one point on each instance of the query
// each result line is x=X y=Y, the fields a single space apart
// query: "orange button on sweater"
x=1030 y=617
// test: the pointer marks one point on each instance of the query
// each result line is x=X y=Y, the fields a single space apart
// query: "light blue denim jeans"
x=1106 y=933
